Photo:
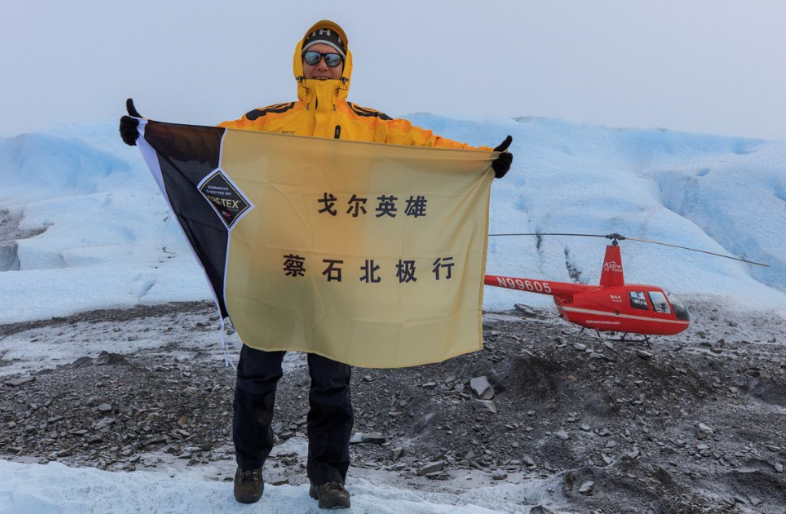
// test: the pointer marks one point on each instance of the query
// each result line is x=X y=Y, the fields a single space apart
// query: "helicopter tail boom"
x=547 y=287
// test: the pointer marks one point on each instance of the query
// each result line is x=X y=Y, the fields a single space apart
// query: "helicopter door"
x=638 y=301
x=679 y=308
x=659 y=303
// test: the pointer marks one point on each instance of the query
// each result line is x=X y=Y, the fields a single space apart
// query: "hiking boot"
x=248 y=485
x=331 y=495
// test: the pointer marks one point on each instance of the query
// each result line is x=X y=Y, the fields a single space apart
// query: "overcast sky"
x=714 y=66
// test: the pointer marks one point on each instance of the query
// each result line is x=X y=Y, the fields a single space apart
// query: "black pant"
x=330 y=418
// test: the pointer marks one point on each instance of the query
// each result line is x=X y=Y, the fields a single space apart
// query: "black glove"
x=502 y=163
x=128 y=125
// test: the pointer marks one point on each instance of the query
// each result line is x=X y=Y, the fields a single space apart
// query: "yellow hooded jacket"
x=322 y=110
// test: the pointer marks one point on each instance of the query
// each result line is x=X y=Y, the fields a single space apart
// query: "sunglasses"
x=312 y=58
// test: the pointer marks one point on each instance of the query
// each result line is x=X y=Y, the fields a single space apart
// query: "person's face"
x=321 y=71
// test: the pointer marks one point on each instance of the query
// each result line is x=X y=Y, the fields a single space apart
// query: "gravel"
x=665 y=427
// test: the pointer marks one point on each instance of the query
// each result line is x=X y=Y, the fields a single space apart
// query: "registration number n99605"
x=535 y=286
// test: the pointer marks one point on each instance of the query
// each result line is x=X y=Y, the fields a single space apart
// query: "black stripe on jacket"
x=270 y=109
x=368 y=113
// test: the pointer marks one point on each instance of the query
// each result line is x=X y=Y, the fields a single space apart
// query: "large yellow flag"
x=368 y=254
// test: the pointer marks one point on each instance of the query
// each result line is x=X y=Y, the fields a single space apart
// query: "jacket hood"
x=307 y=87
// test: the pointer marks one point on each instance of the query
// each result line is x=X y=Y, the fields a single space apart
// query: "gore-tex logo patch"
x=227 y=201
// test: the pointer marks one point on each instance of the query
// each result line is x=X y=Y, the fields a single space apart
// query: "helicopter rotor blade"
x=700 y=251
x=624 y=238
x=547 y=234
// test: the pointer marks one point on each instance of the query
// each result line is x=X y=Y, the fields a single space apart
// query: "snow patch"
x=83 y=225
x=81 y=490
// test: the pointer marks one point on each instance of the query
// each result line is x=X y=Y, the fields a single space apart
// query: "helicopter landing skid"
x=596 y=331
x=623 y=338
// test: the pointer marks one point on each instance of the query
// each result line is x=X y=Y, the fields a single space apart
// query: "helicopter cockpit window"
x=679 y=308
x=659 y=303
x=637 y=300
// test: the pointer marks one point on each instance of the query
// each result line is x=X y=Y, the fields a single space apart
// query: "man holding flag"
x=322 y=68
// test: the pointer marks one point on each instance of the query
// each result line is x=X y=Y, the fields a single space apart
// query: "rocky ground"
x=692 y=423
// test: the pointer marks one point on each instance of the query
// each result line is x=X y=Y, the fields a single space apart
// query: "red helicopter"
x=612 y=305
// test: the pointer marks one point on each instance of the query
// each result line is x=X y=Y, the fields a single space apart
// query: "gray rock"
x=104 y=423
x=429 y=385
x=438 y=476
x=703 y=431
x=481 y=388
x=580 y=347
x=19 y=381
x=587 y=487
x=360 y=437
x=107 y=359
x=778 y=467
x=526 y=310
x=703 y=450
x=396 y=453
x=95 y=400
x=499 y=474
x=526 y=459
x=484 y=406
x=540 y=509
x=644 y=354
x=432 y=467
x=561 y=434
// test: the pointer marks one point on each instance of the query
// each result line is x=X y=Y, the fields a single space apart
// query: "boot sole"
x=313 y=492
x=247 y=500
x=240 y=498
